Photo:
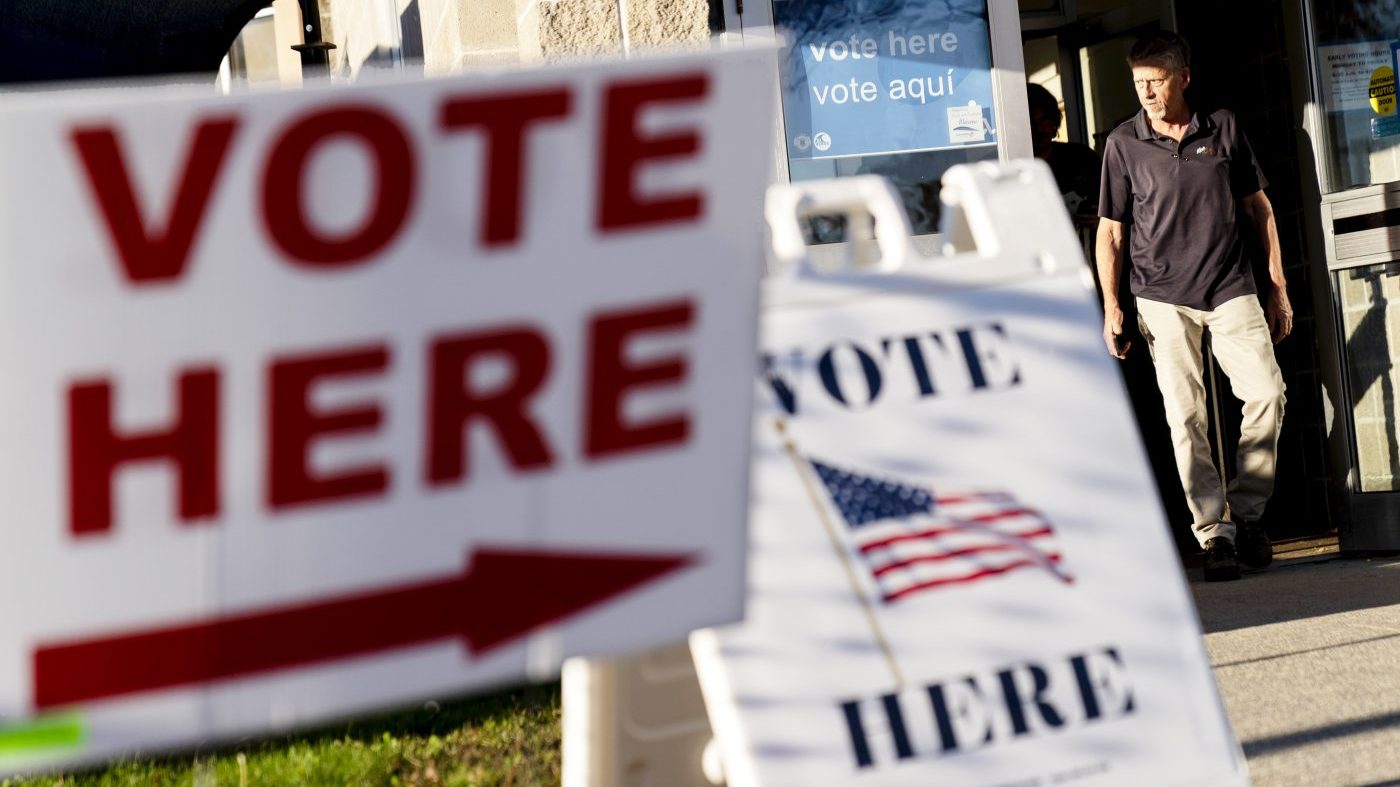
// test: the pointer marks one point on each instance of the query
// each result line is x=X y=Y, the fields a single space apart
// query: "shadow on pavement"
x=1262 y=746
x=1297 y=589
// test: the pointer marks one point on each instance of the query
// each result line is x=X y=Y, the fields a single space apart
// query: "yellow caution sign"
x=1382 y=92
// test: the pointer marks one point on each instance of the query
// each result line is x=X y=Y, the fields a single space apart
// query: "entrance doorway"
x=1077 y=49
x=1077 y=52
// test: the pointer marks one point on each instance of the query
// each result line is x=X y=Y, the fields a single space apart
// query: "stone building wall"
x=366 y=33
x=451 y=36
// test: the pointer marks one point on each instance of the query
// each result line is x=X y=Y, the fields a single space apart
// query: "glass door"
x=899 y=88
x=1356 y=131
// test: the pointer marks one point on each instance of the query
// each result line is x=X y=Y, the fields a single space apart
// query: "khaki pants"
x=1241 y=344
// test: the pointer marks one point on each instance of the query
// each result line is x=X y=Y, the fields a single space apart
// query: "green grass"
x=510 y=738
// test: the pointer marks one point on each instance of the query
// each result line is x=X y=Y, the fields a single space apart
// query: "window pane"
x=1370 y=297
x=900 y=88
x=1356 y=75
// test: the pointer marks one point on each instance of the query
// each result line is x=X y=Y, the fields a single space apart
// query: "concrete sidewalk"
x=1307 y=657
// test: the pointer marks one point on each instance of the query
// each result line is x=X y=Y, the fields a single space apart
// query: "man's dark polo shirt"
x=1181 y=200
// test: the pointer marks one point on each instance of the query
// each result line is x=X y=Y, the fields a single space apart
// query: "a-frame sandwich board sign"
x=959 y=573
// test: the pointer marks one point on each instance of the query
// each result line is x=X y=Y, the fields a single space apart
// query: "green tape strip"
x=45 y=732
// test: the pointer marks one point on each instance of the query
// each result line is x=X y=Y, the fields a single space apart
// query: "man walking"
x=1181 y=179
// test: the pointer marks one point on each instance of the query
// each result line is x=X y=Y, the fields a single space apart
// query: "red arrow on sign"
x=501 y=596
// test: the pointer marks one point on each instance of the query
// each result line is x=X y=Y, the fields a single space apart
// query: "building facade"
x=1312 y=81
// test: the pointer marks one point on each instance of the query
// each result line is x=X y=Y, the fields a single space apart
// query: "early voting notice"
x=884 y=76
x=959 y=570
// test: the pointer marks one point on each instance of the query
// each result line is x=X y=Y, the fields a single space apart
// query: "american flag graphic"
x=915 y=540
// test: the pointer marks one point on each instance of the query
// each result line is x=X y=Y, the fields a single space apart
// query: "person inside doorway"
x=1075 y=166
x=1182 y=178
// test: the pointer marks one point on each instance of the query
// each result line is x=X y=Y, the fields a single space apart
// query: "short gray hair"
x=1162 y=48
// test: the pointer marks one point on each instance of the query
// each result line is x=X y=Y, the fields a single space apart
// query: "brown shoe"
x=1252 y=545
x=1221 y=565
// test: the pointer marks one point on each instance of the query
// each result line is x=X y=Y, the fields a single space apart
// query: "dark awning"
x=42 y=40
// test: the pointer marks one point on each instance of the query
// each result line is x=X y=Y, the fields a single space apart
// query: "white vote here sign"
x=961 y=574
x=326 y=400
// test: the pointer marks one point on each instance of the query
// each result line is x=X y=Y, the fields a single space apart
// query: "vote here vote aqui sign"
x=326 y=400
x=884 y=77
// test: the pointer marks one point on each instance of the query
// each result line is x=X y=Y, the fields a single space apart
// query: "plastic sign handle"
x=787 y=204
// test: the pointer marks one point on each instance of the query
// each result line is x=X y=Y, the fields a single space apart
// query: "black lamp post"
x=315 y=52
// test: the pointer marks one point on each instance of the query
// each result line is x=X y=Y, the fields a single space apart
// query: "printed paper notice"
x=1346 y=73
x=965 y=123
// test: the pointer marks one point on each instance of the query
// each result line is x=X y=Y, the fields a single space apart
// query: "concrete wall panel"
x=667 y=23
x=579 y=28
